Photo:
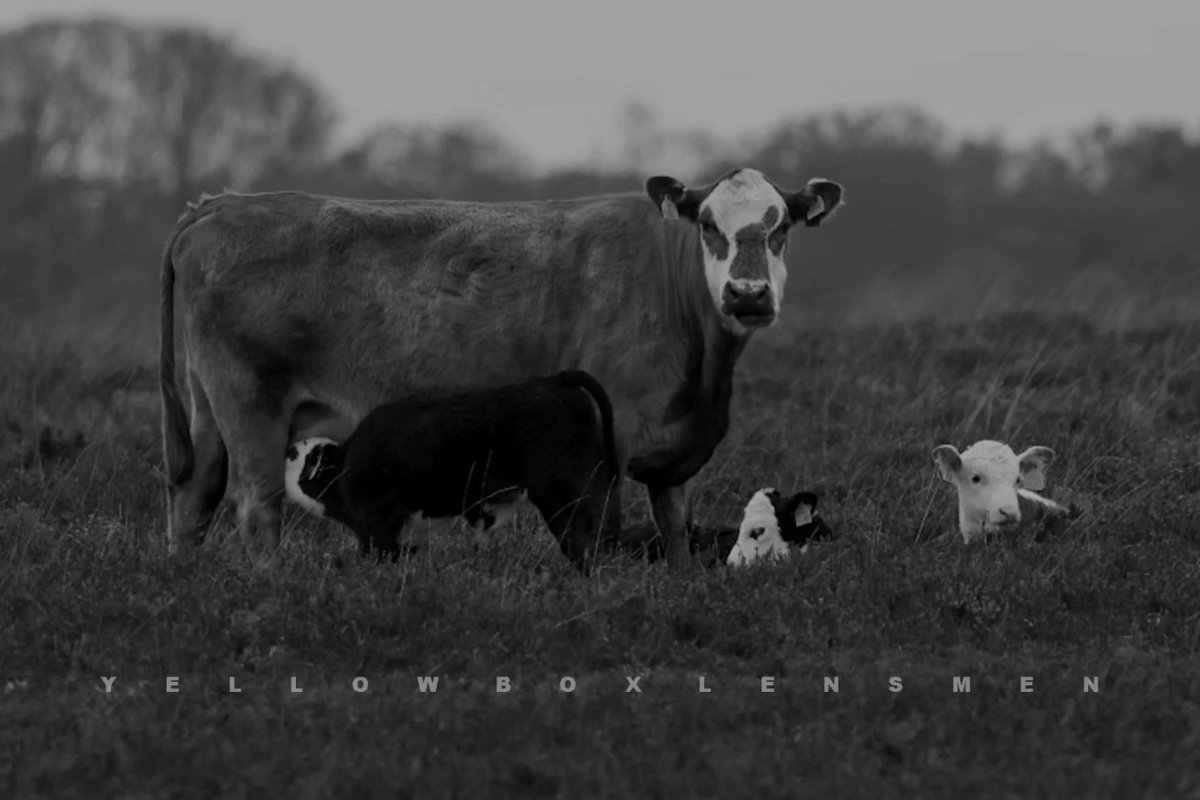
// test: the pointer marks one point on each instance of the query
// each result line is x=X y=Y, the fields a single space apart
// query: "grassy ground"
x=86 y=591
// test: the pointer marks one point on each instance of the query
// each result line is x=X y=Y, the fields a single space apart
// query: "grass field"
x=86 y=591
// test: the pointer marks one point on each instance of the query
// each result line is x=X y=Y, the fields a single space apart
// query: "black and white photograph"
x=599 y=400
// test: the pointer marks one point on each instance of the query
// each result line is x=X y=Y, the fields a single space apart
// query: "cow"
x=473 y=453
x=991 y=481
x=301 y=313
x=770 y=522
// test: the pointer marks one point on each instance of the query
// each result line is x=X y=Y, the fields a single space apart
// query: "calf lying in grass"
x=993 y=483
x=771 y=526
x=775 y=527
x=472 y=453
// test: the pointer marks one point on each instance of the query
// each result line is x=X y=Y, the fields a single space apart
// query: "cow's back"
x=351 y=303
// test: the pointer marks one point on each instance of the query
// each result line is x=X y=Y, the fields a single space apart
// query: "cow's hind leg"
x=192 y=503
x=668 y=504
x=257 y=440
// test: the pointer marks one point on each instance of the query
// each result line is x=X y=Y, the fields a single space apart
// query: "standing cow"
x=301 y=313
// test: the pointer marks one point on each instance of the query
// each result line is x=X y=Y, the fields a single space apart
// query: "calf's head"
x=310 y=468
x=744 y=220
x=799 y=521
x=987 y=476
x=760 y=536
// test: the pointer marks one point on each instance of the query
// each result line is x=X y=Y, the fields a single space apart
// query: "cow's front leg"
x=668 y=504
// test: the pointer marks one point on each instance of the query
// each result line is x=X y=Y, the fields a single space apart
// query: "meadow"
x=86 y=591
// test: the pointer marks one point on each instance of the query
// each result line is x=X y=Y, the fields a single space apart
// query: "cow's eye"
x=709 y=228
x=976 y=479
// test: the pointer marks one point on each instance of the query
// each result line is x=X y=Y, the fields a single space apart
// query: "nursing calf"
x=992 y=480
x=473 y=453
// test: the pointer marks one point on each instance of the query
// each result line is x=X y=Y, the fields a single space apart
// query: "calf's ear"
x=803 y=508
x=948 y=461
x=1033 y=463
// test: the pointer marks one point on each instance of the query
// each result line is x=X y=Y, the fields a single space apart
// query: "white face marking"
x=294 y=469
x=735 y=203
x=988 y=481
x=758 y=537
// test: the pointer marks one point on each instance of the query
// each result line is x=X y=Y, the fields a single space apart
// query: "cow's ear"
x=948 y=461
x=1033 y=463
x=814 y=202
x=674 y=199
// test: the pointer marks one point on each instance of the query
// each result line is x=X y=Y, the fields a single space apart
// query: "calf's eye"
x=975 y=479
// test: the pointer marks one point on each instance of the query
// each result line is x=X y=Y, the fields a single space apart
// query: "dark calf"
x=473 y=453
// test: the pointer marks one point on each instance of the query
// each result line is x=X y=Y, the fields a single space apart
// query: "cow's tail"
x=178 y=453
x=583 y=380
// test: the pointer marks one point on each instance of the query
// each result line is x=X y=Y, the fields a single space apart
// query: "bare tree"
x=101 y=99
x=440 y=160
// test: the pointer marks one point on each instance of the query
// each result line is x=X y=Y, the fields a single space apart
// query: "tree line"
x=107 y=128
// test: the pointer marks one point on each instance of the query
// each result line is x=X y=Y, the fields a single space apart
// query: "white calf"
x=991 y=479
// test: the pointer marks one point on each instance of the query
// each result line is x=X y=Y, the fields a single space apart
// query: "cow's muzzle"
x=752 y=303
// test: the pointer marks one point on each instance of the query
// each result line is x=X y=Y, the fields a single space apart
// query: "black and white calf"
x=472 y=453
x=772 y=525
x=776 y=527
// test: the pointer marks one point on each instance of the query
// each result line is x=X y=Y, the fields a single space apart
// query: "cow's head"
x=744 y=220
x=987 y=475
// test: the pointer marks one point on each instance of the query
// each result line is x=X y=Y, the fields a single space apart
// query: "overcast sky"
x=552 y=77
